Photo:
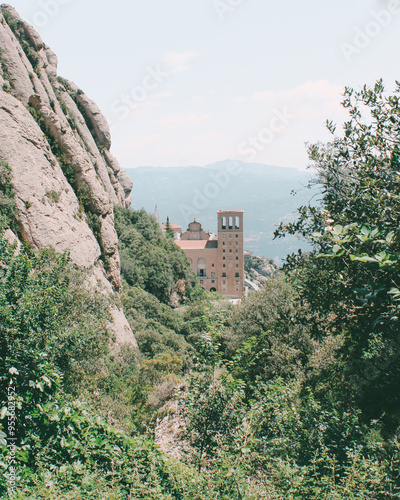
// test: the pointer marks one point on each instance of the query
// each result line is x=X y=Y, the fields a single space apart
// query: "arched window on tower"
x=223 y=222
x=236 y=222
x=201 y=267
x=230 y=223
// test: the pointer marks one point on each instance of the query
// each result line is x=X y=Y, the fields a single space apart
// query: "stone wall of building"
x=231 y=253
x=217 y=262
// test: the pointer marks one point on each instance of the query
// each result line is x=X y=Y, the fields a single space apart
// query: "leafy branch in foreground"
x=351 y=278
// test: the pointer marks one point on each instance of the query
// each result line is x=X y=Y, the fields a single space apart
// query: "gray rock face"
x=122 y=179
x=47 y=205
x=15 y=67
x=101 y=130
x=52 y=60
x=57 y=143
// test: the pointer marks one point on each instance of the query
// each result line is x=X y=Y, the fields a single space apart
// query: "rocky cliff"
x=56 y=143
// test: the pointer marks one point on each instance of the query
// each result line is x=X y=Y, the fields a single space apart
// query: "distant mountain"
x=264 y=192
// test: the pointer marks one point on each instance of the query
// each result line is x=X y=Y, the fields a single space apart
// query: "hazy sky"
x=190 y=82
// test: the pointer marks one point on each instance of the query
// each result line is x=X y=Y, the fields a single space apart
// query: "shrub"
x=7 y=204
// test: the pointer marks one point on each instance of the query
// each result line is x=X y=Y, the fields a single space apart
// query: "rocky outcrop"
x=258 y=270
x=47 y=205
x=56 y=142
x=97 y=122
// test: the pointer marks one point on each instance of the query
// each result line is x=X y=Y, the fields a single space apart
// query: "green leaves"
x=395 y=294
x=151 y=261
x=351 y=278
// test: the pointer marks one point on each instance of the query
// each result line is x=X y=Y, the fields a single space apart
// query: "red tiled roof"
x=173 y=226
x=192 y=244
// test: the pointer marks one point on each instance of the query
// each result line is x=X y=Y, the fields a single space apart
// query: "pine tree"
x=169 y=233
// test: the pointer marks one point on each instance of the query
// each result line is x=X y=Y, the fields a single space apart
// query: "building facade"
x=177 y=230
x=218 y=261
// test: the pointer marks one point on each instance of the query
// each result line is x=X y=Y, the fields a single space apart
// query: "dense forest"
x=294 y=394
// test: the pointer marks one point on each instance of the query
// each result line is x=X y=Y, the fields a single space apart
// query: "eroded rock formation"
x=57 y=144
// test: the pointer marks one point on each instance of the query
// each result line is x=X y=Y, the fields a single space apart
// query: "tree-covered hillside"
x=294 y=394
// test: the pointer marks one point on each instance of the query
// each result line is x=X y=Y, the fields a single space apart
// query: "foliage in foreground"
x=286 y=442
x=333 y=432
x=293 y=395
x=50 y=322
x=351 y=279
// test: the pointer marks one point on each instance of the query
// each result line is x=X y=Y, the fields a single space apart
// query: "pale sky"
x=191 y=82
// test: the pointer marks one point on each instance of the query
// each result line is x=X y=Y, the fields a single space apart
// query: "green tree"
x=151 y=261
x=351 y=278
x=273 y=331
x=169 y=233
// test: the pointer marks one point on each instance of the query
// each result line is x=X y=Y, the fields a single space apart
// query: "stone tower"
x=231 y=253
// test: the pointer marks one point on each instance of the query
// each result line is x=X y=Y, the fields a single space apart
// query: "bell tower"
x=230 y=253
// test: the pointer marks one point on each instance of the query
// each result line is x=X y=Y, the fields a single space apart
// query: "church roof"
x=192 y=244
x=173 y=226
x=197 y=244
